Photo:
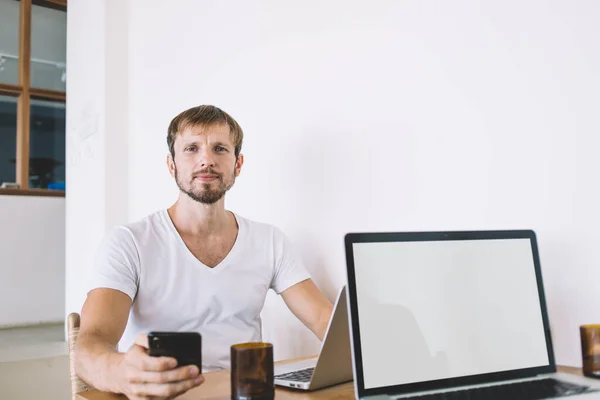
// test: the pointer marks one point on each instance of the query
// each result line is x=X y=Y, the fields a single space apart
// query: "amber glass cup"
x=252 y=371
x=590 y=349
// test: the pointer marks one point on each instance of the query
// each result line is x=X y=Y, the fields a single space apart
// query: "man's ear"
x=238 y=164
x=171 y=165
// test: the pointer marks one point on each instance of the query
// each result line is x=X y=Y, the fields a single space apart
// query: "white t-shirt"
x=173 y=291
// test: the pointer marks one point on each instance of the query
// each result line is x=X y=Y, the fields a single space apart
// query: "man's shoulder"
x=157 y=218
x=257 y=227
x=153 y=224
x=262 y=233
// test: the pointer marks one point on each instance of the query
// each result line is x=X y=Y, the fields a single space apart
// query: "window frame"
x=24 y=93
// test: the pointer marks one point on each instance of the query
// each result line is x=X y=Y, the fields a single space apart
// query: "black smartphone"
x=185 y=347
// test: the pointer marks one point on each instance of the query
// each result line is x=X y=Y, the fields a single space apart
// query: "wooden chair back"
x=77 y=385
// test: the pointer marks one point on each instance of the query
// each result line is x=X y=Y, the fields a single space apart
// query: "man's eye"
x=220 y=149
x=190 y=148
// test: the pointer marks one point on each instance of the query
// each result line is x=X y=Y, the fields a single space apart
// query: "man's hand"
x=147 y=377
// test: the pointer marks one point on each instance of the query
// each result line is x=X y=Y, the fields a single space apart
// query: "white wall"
x=97 y=140
x=32 y=262
x=396 y=116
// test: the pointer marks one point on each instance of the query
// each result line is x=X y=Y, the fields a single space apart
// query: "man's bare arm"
x=309 y=305
x=103 y=320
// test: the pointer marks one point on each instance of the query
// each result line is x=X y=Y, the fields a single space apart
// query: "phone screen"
x=185 y=347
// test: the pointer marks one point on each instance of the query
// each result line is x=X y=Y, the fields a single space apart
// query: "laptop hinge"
x=376 y=397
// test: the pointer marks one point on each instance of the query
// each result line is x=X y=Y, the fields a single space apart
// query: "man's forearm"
x=97 y=363
x=323 y=322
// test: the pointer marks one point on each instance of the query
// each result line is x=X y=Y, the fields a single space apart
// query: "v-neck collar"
x=224 y=262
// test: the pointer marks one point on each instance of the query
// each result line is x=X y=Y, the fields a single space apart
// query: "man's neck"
x=195 y=218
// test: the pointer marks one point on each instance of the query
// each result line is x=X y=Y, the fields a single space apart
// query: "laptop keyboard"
x=303 y=375
x=529 y=390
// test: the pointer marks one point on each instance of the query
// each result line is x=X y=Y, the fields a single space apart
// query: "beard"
x=202 y=192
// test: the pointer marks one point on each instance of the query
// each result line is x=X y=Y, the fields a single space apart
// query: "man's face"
x=205 y=166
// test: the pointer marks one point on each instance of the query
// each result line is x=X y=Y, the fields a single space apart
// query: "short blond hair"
x=204 y=115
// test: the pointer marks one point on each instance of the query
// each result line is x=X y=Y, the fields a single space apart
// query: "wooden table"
x=217 y=387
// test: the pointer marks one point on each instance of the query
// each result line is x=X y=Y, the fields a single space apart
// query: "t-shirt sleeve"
x=289 y=268
x=116 y=264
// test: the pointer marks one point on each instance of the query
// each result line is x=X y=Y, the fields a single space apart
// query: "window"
x=32 y=96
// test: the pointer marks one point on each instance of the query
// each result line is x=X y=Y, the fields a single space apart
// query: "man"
x=192 y=267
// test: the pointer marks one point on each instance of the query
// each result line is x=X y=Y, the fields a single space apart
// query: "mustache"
x=206 y=171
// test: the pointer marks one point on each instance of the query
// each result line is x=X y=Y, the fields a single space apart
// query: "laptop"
x=438 y=315
x=334 y=364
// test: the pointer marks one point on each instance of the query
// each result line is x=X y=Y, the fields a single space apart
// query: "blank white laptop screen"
x=444 y=309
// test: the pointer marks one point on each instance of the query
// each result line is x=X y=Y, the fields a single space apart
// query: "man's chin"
x=204 y=197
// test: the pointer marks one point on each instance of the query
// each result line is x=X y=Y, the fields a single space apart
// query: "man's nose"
x=205 y=158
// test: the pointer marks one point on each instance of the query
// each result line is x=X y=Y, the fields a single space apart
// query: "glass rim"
x=590 y=326
x=252 y=346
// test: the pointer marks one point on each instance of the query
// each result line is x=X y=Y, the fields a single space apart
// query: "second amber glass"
x=590 y=350
x=252 y=375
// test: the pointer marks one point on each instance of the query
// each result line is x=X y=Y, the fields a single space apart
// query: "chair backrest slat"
x=77 y=385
